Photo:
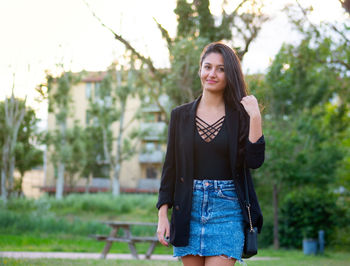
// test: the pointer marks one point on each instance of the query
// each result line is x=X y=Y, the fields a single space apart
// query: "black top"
x=211 y=150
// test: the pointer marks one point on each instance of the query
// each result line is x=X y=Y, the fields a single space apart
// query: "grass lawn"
x=65 y=262
x=64 y=226
x=68 y=243
x=296 y=257
x=285 y=258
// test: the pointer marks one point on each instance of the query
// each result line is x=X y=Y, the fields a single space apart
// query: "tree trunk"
x=4 y=170
x=60 y=181
x=116 y=174
x=116 y=185
x=10 y=176
x=3 y=186
x=276 y=243
x=14 y=114
x=61 y=164
x=20 y=191
x=88 y=182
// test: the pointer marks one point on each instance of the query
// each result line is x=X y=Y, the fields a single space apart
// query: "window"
x=159 y=117
x=88 y=90
x=97 y=90
x=151 y=172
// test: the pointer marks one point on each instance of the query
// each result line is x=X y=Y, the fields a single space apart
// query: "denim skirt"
x=216 y=226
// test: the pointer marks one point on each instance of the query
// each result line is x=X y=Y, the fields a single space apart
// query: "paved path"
x=83 y=255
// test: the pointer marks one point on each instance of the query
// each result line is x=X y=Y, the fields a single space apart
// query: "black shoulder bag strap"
x=250 y=234
x=247 y=202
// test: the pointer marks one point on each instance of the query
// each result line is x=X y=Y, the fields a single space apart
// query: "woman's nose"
x=212 y=73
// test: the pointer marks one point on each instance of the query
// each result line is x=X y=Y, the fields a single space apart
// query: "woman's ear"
x=199 y=72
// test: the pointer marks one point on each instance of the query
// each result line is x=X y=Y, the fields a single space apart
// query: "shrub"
x=72 y=214
x=265 y=238
x=15 y=223
x=304 y=212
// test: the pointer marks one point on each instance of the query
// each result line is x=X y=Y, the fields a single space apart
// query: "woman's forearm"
x=163 y=210
x=255 y=128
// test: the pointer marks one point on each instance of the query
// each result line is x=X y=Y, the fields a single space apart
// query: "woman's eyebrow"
x=207 y=63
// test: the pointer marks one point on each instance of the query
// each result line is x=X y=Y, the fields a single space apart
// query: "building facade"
x=139 y=173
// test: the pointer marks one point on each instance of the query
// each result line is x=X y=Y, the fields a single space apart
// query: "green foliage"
x=58 y=89
x=306 y=99
x=197 y=27
x=306 y=211
x=186 y=21
x=75 y=157
x=195 y=20
x=98 y=204
x=306 y=119
x=25 y=151
x=183 y=82
x=16 y=223
x=72 y=153
x=76 y=214
x=265 y=238
x=298 y=81
x=107 y=107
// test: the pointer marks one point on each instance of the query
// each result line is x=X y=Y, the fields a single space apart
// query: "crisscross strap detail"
x=206 y=131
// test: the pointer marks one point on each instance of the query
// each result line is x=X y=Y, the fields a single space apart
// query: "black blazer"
x=177 y=174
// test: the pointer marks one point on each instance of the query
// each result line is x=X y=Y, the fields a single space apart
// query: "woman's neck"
x=212 y=101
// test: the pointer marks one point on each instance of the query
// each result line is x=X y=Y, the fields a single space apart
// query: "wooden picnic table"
x=127 y=237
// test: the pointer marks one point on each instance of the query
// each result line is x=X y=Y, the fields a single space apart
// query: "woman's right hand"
x=163 y=229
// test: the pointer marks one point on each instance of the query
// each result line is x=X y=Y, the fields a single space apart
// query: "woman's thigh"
x=191 y=260
x=219 y=260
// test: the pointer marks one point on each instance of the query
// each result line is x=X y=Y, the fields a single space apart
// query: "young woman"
x=209 y=141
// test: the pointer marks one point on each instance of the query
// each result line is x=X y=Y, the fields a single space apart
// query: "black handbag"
x=250 y=233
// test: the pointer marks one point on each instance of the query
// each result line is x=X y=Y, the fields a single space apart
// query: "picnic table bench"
x=127 y=237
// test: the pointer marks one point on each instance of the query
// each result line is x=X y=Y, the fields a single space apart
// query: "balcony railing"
x=152 y=130
x=151 y=157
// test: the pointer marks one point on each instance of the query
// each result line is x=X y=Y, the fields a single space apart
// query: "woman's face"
x=212 y=73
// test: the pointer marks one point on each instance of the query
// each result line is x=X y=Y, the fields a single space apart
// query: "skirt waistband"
x=216 y=184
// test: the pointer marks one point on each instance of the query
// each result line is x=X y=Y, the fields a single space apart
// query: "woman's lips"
x=211 y=81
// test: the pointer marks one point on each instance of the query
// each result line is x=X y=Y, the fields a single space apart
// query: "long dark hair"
x=234 y=91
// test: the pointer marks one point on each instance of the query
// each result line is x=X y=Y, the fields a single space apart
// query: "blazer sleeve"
x=167 y=184
x=255 y=153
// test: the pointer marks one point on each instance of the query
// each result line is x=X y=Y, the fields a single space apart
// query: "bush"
x=303 y=213
x=76 y=214
x=15 y=223
x=104 y=203
x=265 y=238
x=340 y=240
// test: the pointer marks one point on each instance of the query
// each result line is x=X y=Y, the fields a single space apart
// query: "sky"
x=38 y=34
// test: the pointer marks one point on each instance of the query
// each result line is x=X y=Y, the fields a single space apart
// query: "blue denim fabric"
x=216 y=226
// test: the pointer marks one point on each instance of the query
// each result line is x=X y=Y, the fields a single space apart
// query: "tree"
x=60 y=105
x=345 y=4
x=107 y=107
x=196 y=27
x=93 y=153
x=300 y=93
x=14 y=110
x=331 y=40
x=27 y=153
x=76 y=157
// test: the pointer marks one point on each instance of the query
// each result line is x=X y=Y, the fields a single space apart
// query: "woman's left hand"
x=250 y=104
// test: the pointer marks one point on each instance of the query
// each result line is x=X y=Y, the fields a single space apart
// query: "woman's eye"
x=222 y=70
x=206 y=67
